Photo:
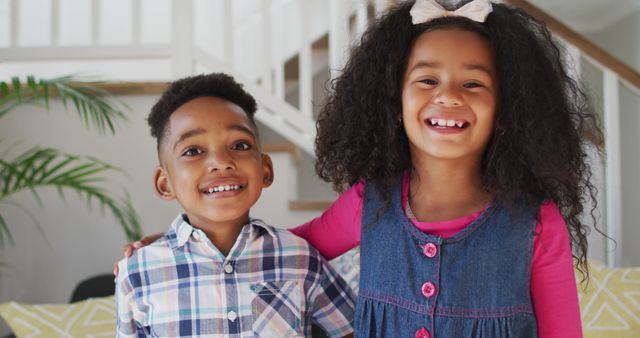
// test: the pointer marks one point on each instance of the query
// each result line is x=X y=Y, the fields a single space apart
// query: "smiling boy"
x=216 y=271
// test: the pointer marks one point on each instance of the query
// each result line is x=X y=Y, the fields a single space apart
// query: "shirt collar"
x=181 y=230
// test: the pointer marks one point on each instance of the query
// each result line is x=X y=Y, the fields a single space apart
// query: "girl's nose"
x=448 y=98
x=220 y=161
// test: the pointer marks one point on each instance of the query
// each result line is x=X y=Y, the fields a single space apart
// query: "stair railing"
x=615 y=74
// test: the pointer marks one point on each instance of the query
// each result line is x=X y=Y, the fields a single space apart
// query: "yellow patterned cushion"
x=90 y=318
x=611 y=303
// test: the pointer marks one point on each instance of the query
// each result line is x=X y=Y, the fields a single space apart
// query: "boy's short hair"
x=186 y=89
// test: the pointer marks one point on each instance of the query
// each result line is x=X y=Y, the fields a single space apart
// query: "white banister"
x=15 y=14
x=279 y=58
x=613 y=167
x=92 y=53
x=136 y=19
x=278 y=72
x=362 y=16
x=227 y=32
x=305 y=69
x=338 y=36
x=267 y=81
x=55 y=23
x=182 y=38
x=95 y=22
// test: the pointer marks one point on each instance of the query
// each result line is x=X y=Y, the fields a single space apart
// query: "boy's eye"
x=472 y=85
x=241 y=146
x=191 y=152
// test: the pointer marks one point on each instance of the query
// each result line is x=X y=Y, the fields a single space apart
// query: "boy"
x=217 y=272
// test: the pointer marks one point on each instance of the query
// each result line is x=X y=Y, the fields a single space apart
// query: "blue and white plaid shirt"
x=271 y=284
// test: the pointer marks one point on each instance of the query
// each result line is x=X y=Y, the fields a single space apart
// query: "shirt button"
x=196 y=235
x=430 y=250
x=422 y=333
x=228 y=268
x=428 y=289
x=232 y=316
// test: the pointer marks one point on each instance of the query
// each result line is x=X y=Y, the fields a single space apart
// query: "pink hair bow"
x=426 y=10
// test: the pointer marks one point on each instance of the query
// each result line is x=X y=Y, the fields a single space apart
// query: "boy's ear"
x=267 y=168
x=162 y=184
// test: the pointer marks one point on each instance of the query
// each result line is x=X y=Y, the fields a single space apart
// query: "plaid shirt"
x=271 y=284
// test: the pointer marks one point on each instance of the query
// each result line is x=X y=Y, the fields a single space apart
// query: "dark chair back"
x=92 y=287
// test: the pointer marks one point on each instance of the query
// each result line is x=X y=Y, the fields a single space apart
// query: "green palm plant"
x=39 y=167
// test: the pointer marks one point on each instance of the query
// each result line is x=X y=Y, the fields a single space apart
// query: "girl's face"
x=449 y=95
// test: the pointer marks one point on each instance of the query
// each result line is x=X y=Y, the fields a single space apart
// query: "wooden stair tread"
x=309 y=205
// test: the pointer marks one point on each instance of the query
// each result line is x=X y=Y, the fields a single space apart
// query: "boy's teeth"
x=223 y=188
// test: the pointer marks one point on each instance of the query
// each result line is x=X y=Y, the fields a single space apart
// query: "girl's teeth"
x=446 y=123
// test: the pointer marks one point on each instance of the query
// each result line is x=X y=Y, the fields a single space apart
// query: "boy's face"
x=211 y=162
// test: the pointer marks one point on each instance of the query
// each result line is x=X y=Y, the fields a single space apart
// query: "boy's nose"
x=220 y=160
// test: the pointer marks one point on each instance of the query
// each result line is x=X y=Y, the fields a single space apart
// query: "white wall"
x=622 y=39
x=81 y=242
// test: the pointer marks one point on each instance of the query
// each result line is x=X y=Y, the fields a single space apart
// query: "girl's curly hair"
x=537 y=151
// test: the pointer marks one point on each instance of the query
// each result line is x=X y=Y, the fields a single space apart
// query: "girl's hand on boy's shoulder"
x=128 y=249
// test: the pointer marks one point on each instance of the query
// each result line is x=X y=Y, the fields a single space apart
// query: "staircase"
x=610 y=80
x=283 y=51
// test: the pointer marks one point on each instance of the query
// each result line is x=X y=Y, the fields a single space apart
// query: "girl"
x=458 y=138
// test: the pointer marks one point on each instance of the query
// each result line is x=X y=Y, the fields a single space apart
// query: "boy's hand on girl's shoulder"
x=128 y=249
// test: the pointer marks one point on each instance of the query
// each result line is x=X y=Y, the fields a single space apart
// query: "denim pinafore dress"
x=474 y=284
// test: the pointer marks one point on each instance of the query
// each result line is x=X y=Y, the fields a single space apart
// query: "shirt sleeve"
x=553 y=283
x=337 y=230
x=333 y=303
x=126 y=325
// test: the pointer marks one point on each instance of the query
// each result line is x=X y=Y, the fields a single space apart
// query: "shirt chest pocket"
x=276 y=309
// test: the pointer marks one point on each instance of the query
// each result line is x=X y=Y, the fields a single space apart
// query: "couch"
x=610 y=305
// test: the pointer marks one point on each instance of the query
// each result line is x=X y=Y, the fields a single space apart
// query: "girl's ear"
x=267 y=168
x=162 y=184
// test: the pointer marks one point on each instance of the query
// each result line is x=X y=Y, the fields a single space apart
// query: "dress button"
x=422 y=333
x=430 y=250
x=228 y=268
x=428 y=289
x=232 y=315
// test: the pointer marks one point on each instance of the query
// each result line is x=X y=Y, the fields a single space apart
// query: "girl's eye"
x=190 y=152
x=242 y=146
x=429 y=82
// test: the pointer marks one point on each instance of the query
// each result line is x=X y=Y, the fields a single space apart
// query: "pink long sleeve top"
x=553 y=285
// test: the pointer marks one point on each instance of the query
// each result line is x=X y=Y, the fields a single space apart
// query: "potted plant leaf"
x=45 y=167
